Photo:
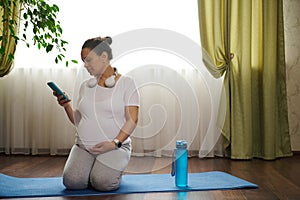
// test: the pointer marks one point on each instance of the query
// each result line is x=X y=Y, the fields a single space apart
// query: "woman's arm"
x=66 y=104
x=70 y=113
x=131 y=115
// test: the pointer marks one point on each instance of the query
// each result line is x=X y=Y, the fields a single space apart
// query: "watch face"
x=119 y=144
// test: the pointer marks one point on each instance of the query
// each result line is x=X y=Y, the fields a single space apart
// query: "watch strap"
x=117 y=143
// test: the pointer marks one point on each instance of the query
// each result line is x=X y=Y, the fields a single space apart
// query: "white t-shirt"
x=100 y=112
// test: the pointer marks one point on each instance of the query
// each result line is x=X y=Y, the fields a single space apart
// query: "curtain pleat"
x=31 y=120
x=256 y=122
x=214 y=35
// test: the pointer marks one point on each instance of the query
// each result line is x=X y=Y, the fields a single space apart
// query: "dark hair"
x=99 y=45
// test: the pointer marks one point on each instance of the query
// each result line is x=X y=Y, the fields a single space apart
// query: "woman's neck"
x=109 y=71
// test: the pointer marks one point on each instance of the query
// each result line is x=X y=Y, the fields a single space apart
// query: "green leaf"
x=41 y=17
x=25 y=16
x=2 y=50
x=49 y=48
x=26 y=24
x=55 y=8
x=74 y=61
x=59 y=29
x=11 y=57
x=34 y=30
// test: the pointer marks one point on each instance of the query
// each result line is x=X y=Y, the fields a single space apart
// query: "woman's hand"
x=103 y=147
x=61 y=100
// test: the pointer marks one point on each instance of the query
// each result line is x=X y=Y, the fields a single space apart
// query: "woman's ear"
x=104 y=55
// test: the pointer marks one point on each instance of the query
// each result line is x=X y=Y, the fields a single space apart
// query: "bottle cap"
x=181 y=144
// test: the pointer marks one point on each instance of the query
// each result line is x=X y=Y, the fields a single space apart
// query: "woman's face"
x=93 y=62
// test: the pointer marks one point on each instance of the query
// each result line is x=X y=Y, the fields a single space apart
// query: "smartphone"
x=58 y=91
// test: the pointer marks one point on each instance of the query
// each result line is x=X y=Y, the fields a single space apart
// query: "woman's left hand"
x=103 y=147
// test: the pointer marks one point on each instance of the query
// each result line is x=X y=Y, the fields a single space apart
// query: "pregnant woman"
x=105 y=115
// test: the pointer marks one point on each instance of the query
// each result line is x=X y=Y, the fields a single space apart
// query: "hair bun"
x=108 y=40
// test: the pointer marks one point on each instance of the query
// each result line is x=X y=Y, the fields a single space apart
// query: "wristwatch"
x=117 y=143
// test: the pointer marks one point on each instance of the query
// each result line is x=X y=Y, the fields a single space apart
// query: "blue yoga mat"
x=138 y=183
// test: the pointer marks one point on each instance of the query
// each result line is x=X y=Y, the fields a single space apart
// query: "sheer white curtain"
x=179 y=99
x=31 y=121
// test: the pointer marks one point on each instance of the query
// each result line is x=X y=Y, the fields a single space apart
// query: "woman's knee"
x=74 y=181
x=105 y=181
x=77 y=169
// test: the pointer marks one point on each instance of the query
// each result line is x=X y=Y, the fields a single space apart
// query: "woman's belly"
x=91 y=132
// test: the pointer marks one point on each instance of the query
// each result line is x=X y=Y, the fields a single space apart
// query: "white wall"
x=292 y=43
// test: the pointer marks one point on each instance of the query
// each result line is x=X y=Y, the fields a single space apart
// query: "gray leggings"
x=103 y=172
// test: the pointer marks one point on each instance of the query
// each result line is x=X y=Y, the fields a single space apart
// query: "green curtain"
x=245 y=40
x=8 y=43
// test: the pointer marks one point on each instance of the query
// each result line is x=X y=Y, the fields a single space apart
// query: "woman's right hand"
x=61 y=100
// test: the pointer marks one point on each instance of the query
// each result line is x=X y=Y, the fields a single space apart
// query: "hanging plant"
x=40 y=17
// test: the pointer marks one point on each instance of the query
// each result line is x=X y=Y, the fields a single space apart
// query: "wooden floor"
x=279 y=179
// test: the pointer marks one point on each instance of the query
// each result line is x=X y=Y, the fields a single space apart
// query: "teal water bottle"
x=180 y=165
